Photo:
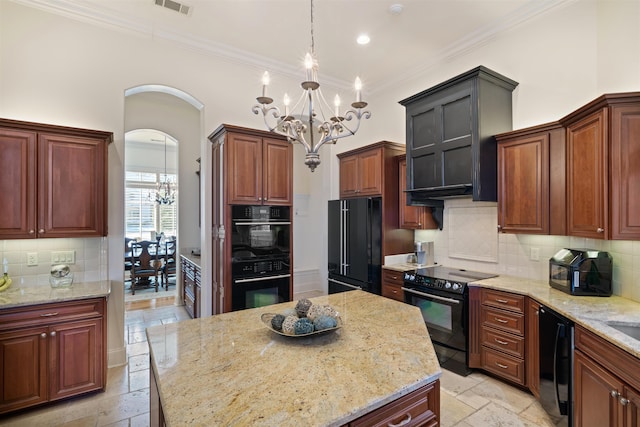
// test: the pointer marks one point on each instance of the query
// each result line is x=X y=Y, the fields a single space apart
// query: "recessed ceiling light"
x=363 y=39
x=396 y=9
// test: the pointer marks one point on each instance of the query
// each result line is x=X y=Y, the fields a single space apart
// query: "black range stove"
x=447 y=280
x=441 y=294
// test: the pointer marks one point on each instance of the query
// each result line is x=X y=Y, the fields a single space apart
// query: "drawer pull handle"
x=404 y=422
x=55 y=313
x=500 y=365
x=501 y=320
x=502 y=301
x=501 y=342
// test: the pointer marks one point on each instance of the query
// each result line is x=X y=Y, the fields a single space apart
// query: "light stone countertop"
x=19 y=295
x=193 y=258
x=405 y=266
x=229 y=369
x=593 y=313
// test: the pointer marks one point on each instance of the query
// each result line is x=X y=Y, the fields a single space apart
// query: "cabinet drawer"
x=189 y=304
x=504 y=300
x=508 y=343
x=190 y=287
x=418 y=408
x=393 y=291
x=19 y=317
x=393 y=276
x=503 y=365
x=503 y=320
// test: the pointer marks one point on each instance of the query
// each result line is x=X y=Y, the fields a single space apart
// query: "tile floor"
x=476 y=400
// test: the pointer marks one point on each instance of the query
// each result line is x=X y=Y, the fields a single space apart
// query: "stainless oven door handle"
x=422 y=294
x=249 y=224
x=345 y=284
x=260 y=279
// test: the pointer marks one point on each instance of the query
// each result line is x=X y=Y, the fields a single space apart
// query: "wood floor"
x=149 y=303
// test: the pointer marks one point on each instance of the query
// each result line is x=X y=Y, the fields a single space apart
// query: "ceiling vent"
x=175 y=6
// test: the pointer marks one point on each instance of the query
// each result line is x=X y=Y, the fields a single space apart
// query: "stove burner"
x=445 y=279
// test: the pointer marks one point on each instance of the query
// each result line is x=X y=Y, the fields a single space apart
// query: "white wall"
x=57 y=70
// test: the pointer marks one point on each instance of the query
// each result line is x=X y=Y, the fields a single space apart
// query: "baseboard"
x=117 y=357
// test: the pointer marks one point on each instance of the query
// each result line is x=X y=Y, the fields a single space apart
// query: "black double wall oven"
x=260 y=263
x=443 y=298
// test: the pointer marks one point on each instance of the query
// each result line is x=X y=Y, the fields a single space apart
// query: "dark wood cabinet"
x=606 y=383
x=411 y=217
x=361 y=173
x=392 y=282
x=603 y=168
x=249 y=167
x=532 y=347
x=259 y=169
x=52 y=351
x=531 y=180
x=53 y=180
x=191 y=285
x=418 y=408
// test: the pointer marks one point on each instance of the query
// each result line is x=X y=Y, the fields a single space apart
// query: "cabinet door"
x=71 y=186
x=412 y=217
x=18 y=184
x=278 y=170
x=349 y=184
x=370 y=173
x=244 y=176
x=76 y=357
x=523 y=185
x=23 y=368
x=594 y=404
x=632 y=408
x=533 y=347
x=587 y=170
x=625 y=172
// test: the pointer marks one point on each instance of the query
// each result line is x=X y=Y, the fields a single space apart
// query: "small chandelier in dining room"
x=165 y=193
x=315 y=112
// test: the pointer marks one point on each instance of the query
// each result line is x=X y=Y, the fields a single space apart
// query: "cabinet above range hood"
x=451 y=150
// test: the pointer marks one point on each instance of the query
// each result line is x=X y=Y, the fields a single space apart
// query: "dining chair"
x=146 y=264
x=169 y=267
x=127 y=259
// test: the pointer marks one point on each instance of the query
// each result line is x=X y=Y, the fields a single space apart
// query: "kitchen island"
x=229 y=369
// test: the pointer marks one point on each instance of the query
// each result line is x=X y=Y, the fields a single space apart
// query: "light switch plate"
x=63 y=257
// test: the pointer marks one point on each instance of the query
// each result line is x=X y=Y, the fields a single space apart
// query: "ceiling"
x=275 y=34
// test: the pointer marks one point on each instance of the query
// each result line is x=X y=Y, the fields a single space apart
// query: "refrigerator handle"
x=559 y=333
x=345 y=238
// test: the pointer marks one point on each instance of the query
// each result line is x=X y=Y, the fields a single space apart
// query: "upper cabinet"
x=53 y=181
x=411 y=217
x=531 y=180
x=451 y=150
x=361 y=173
x=260 y=168
x=603 y=168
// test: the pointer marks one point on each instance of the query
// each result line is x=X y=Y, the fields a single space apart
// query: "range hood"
x=451 y=149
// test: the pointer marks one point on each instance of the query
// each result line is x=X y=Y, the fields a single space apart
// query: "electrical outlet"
x=63 y=257
x=32 y=259
x=535 y=254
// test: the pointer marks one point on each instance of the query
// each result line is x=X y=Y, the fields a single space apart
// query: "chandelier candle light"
x=312 y=112
x=165 y=193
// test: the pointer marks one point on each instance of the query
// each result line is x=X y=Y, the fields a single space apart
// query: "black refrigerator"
x=556 y=365
x=355 y=244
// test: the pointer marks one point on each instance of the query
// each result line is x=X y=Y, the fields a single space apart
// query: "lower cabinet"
x=606 y=383
x=418 y=408
x=51 y=351
x=191 y=285
x=392 y=282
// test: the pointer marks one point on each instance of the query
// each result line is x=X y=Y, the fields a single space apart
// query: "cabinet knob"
x=53 y=333
x=43 y=335
x=32 y=231
x=41 y=231
x=600 y=230
x=623 y=401
x=614 y=393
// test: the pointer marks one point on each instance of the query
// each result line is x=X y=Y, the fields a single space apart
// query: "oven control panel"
x=431 y=282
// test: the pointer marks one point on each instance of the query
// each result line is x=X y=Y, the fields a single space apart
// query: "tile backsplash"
x=90 y=259
x=523 y=255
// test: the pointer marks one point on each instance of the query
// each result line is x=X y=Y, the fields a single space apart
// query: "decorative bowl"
x=266 y=319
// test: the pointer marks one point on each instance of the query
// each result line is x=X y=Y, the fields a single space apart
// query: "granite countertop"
x=229 y=369
x=19 y=295
x=404 y=266
x=193 y=258
x=593 y=313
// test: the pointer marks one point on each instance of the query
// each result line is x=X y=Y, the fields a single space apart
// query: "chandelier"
x=165 y=193
x=314 y=112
